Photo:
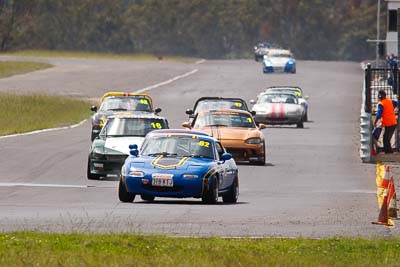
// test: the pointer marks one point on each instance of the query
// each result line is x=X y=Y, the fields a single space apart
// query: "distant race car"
x=110 y=149
x=237 y=132
x=279 y=60
x=278 y=108
x=120 y=103
x=295 y=90
x=178 y=164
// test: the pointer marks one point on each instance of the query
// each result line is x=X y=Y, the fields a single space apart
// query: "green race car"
x=110 y=149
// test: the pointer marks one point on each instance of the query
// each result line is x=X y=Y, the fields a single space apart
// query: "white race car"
x=279 y=60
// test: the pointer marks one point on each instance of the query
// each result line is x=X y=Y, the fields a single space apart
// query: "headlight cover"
x=190 y=176
x=98 y=152
x=267 y=63
x=135 y=173
x=253 y=140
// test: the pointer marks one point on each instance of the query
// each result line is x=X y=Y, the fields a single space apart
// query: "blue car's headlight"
x=135 y=173
x=267 y=63
x=190 y=176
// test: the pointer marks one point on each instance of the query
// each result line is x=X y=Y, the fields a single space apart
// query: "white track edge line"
x=79 y=124
x=167 y=81
x=45 y=130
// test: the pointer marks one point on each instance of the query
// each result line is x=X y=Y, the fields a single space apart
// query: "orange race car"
x=236 y=130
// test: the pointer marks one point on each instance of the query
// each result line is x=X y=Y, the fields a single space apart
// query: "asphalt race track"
x=313 y=185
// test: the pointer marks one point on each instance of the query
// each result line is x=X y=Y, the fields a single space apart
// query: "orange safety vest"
x=388 y=115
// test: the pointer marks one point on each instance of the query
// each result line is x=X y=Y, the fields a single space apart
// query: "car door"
x=226 y=173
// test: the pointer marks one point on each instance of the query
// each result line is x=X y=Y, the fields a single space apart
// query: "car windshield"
x=215 y=104
x=178 y=146
x=229 y=119
x=278 y=98
x=126 y=103
x=118 y=127
x=297 y=92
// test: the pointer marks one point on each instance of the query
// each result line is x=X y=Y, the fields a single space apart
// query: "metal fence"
x=386 y=79
x=376 y=79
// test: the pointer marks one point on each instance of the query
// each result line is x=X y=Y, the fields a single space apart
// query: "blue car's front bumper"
x=182 y=187
x=289 y=68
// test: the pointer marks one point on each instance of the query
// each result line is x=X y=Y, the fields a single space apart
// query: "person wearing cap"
x=388 y=119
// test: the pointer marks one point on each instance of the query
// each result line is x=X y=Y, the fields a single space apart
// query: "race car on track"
x=120 y=103
x=110 y=149
x=277 y=108
x=279 y=60
x=178 y=164
x=236 y=130
x=215 y=103
x=294 y=90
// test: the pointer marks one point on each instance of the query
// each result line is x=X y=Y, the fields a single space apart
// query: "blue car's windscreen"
x=178 y=146
x=132 y=126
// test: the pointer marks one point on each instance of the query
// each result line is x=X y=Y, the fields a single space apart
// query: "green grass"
x=39 y=249
x=9 y=68
x=25 y=113
x=92 y=55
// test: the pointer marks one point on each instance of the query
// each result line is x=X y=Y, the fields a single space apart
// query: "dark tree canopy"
x=312 y=29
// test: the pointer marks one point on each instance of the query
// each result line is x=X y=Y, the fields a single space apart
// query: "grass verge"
x=92 y=55
x=40 y=249
x=25 y=113
x=9 y=68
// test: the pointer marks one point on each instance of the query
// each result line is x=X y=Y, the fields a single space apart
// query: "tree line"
x=312 y=29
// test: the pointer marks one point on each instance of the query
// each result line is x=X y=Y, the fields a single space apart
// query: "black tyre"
x=210 y=196
x=148 y=198
x=89 y=174
x=262 y=161
x=233 y=194
x=300 y=124
x=123 y=194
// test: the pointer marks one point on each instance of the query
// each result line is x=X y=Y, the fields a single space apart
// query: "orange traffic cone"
x=386 y=178
x=383 y=214
x=391 y=201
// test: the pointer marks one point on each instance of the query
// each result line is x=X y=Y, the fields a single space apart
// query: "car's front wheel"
x=123 y=194
x=210 y=196
x=233 y=194
x=262 y=160
x=89 y=174
x=148 y=198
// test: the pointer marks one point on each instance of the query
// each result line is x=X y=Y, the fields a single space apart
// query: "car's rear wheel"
x=148 y=198
x=123 y=194
x=210 y=196
x=233 y=194
x=89 y=174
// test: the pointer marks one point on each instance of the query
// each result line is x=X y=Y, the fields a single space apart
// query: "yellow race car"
x=120 y=103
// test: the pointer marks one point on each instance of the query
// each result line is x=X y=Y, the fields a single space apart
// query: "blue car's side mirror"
x=134 y=150
x=226 y=156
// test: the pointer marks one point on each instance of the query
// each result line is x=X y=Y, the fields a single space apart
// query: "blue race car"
x=179 y=164
x=279 y=60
